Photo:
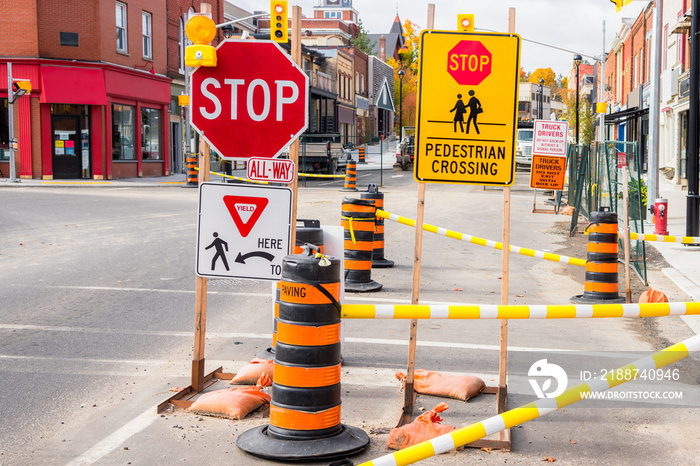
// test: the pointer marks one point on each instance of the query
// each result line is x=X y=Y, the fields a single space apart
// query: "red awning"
x=70 y=85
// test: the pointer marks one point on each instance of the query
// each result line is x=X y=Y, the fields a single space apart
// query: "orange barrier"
x=350 y=176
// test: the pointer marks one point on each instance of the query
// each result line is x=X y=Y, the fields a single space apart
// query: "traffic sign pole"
x=294 y=148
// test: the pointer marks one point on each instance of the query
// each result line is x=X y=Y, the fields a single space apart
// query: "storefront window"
x=150 y=134
x=123 y=132
x=4 y=131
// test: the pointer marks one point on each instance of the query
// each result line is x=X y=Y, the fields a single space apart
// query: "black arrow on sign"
x=265 y=255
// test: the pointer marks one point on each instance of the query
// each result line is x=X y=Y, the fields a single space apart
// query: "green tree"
x=586 y=117
x=361 y=40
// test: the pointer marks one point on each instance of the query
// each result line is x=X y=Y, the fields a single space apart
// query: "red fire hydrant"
x=660 y=210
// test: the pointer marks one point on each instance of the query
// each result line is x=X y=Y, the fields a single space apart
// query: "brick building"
x=100 y=93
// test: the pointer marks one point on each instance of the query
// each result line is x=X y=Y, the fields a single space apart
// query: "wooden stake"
x=503 y=360
x=409 y=393
x=200 y=304
x=294 y=147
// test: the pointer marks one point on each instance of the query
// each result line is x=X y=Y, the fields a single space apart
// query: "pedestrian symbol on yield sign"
x=219 y=245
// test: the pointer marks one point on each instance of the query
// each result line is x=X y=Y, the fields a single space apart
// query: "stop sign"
x=253 y=103
x=469 y=62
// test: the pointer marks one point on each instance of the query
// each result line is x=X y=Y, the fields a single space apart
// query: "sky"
x=574 y=25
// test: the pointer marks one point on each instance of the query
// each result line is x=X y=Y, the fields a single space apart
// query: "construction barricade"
x=358 y=224
x=308 y=231
x=305 y=407
x=350 y=176
x=361 y=156
x=191 y=170
x=530 y=411
x=601 y=282
x=378 y=260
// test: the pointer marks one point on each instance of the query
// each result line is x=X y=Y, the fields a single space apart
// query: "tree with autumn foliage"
x=546 y=74
x=586 y=116
x=408 y=62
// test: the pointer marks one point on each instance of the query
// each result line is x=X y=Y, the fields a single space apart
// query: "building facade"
x=100 y=93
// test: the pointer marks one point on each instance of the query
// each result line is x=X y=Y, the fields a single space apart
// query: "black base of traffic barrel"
x=382 y=263
x=257 y=442
x=268 y=353
x=358 y=287
x=580 y=299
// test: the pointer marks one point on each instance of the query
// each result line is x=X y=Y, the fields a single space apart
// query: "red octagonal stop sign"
x=253 y=103
x=469 y=62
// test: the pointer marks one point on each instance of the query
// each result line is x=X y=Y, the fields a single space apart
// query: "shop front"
x=88 y=122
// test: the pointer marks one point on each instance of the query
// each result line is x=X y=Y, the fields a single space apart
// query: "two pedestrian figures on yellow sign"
x=460 y=109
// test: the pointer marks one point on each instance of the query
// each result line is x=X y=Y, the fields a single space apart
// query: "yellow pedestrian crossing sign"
x=467 y=108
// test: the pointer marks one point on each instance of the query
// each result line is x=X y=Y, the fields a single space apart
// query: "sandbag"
x=231 y=403
x=425 y=427
x=251 y=372
x=652 y=296
x=460 y=387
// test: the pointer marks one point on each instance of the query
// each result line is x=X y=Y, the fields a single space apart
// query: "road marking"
x=116 y=438
x=268 y=336
x=153 y=290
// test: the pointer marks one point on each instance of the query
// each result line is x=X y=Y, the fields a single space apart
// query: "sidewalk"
x=684 y=260
x=374 y=158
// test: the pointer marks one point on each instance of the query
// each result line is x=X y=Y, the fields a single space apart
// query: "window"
x=121 y=28
x=150 y=134
x=146 y=32
x=331 y=14
x=123 y=132
x=68 y=39
x=4 y=131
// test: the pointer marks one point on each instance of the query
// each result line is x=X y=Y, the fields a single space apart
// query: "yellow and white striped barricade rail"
x=665 y=239
x=484 y=242
x=314 y=175
x=231 y=177
x=515 y=311
x=530 y=411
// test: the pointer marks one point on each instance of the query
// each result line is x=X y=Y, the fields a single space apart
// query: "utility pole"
x=692 y=204
x=653 y=167
x=601 y=97
x=11 y=123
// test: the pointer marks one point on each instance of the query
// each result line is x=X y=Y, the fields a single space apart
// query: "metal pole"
x=381 y=162
x=654 y=114
x=11 y=124
x=691 y=219
x=400 y=106
x=577 y=98
x=601 y=98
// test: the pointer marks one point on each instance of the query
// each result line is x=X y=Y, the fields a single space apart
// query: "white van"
x=523 y=149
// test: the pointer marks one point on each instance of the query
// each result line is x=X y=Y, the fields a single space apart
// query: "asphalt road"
x=96 y=325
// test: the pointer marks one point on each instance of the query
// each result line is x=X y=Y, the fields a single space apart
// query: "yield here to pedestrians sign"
x=467 y=108
x=243 y=231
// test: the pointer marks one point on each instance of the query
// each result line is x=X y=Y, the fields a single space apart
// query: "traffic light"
x=465 y=23
x=201 y=30
x=278 y=21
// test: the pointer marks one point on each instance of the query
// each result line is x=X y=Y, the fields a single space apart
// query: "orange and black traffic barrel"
x=306 y=392
x=361 y=155
x=601 y=282
x=378 y=260
x=308 y=231
x=192 y=170
x=350 y=176
x=269 y=353
x=358 y=233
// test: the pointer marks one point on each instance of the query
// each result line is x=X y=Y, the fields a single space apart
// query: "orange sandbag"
x=425 y=427
x=231 y=403
x=251 y=372
x=652 y=296
x=460 y=387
